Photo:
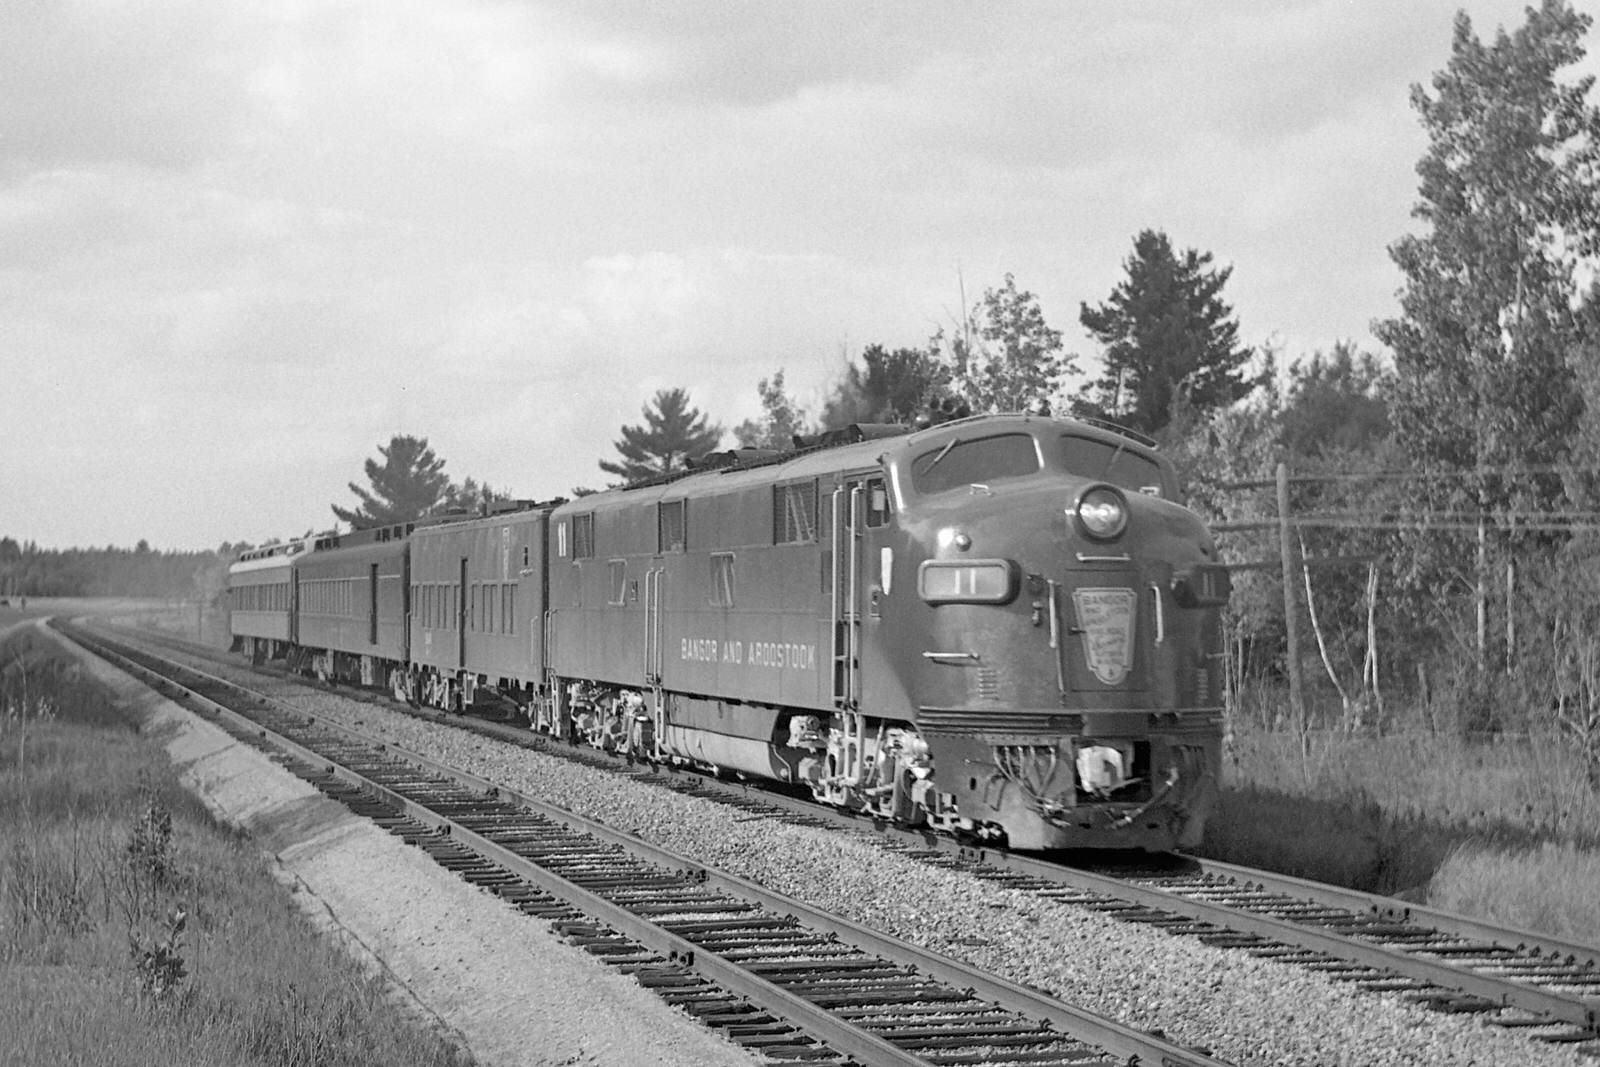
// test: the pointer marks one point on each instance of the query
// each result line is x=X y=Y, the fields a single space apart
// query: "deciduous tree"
x=1491 y=311
x=782 y=419
x=1336 y=403
x=1006 y=356
x=671 y=433
x=469 y=495
x=1510 y=196
x=887 y=386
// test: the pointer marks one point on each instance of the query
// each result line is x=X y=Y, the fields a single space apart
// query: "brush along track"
x=1514 y=979
x=795 y=983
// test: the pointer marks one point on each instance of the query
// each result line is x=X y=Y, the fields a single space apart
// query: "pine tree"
x=1169 y=338
x=409 y=483
x=672 y=432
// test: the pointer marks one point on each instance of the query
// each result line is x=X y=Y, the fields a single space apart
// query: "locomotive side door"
x=859 y=509
x=652 y=622
x=845 y=592
x=462 y=609
x=372 y=604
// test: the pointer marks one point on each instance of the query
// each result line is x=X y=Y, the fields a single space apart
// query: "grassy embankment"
x=1507 y=830
x=133 y=929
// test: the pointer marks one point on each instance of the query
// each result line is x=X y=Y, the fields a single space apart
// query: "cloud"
x=151 y=84
x=242 y=244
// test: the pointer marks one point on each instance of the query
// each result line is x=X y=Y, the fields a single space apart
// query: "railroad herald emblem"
x=1105 y=617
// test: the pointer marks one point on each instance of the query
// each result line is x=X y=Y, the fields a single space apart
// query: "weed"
x=150 y=845
x=46 y=885
x=158 y=966
x=1550 y=887
x=23 y=704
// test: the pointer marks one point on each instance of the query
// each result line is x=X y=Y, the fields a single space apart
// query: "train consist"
x=1004 y=626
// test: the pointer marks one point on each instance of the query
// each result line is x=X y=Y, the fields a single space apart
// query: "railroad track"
x=1515 y=979
x=770 y=972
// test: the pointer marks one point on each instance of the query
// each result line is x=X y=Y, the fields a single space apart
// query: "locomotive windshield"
x=1107 y=462
x=958 y=464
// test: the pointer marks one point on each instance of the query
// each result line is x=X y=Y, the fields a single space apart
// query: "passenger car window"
x=958 y=464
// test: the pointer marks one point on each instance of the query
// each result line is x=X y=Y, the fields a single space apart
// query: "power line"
x=1402 y=475
x=1531 y=522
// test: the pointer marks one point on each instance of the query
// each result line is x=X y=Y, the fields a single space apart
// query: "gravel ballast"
x=1245 y=1010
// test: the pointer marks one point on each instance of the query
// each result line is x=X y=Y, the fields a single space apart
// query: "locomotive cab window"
x=877 y=503
x=1107 y=462
x=958 y=464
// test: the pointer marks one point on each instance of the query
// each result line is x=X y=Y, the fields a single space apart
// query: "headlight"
x=1102 y=512
x=975 y=581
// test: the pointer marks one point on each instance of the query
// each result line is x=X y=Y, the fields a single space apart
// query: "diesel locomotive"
x=1005 y=627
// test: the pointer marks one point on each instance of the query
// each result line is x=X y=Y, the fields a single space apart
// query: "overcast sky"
x=244 y=243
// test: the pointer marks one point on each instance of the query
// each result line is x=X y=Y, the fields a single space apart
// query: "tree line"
x=28 y=570
x=1445 y=501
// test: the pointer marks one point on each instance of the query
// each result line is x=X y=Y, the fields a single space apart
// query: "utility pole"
x=1291 y=612
x=1511 y=614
